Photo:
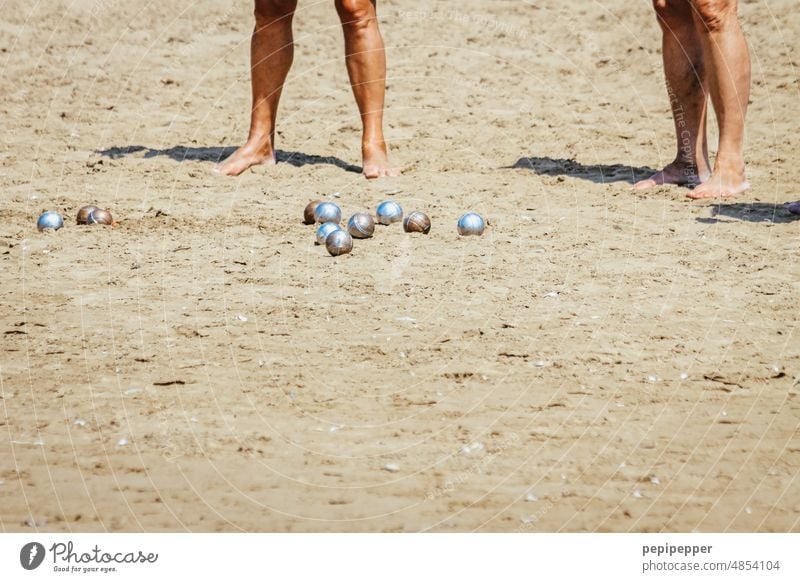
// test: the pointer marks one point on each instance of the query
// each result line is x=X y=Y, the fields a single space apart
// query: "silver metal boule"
x=417 y=222
x=83 y=214
x=50 y=220
x=389 y=212
x=327 y=212
x=308 y=213
x=100 y=216
x=471 y=224
x=361 y=225
x=324 y=230
x=339 y=242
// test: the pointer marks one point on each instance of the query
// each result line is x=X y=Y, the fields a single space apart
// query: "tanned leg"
x=684 y=68
x=728 y=66
x=271 y=54
x=366 y=65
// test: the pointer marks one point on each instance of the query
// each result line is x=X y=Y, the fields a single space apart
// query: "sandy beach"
x=599 y=360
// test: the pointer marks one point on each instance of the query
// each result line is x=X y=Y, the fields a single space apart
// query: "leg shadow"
x=750 y=212
x=219 y=153
x=598 y=173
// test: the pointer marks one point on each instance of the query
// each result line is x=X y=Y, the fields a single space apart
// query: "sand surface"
x=600 y=360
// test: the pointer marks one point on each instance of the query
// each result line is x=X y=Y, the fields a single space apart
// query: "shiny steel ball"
x=327 y=212
x=308 y=213
x=417 y=222
x=100 y=216
x=389 y=212
x=339 y=242
x=50 y=220
x=83 y=214
x=361 y=225
x=324 y=230
x=471 y=224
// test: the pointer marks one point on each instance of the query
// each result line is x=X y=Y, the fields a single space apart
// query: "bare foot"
x=679 y=173
x=727 y=180
x=250 y=154
x=376 y=161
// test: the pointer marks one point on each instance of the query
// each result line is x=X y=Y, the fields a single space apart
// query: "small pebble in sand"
x=391 y=467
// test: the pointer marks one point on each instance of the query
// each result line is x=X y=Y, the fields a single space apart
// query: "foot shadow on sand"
x=749 y=212
x=597 y=173
x=217 y=154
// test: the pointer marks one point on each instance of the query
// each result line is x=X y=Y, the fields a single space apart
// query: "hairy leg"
x=366 y=66
x=271 y=54
x=684 y=69
x=728 y=64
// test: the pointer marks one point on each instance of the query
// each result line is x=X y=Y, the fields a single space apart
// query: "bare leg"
x=366 y=65
x=271 y=54
x=728 y=64
x=684 y=68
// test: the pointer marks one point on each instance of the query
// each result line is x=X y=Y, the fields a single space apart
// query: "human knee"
x=714 y=14
x=270 y=10
x=673 y=13
x=355 y=12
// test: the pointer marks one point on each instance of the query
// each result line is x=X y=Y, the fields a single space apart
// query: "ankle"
x=729 y=162
x=259 y=141
x=373 y=143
